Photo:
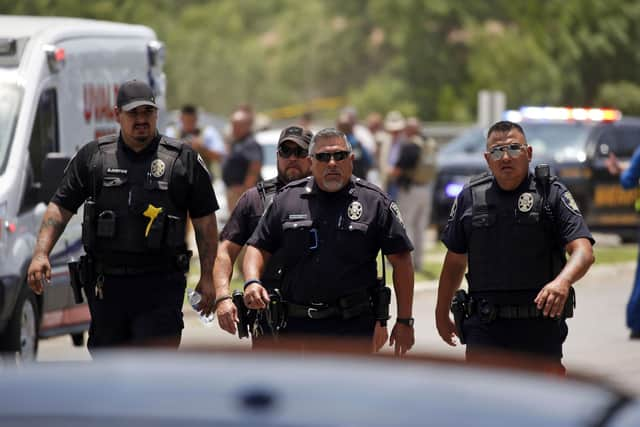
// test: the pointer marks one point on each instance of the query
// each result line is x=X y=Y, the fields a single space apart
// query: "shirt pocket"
x=352 y=241
x=298 y=238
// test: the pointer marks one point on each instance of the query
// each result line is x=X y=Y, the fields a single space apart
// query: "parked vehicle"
x=58 y=83
x=575 y=142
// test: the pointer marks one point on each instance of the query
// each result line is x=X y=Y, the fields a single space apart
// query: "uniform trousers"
x=141 y=309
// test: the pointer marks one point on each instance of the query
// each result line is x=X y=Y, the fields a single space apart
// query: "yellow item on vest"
x=152 y=213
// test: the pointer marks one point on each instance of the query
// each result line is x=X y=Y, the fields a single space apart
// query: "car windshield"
x=10 y=98
x=558 y=140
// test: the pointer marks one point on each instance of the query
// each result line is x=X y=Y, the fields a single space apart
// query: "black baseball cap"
x=296 y=134
x=135 y=93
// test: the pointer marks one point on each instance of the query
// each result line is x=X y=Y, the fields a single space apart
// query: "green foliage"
x=623 y=95
x=424 y=57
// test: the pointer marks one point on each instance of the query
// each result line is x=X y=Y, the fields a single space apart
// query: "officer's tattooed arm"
x=206 y=230
x=53 y=223
x=552 y=298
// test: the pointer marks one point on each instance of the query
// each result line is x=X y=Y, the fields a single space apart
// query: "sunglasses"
x=326 y=157
x=286 y=151
x=512 y=150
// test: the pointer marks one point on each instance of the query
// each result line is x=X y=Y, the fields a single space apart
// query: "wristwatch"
x=405 y=321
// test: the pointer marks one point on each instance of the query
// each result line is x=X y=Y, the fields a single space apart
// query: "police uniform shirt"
x=196 y=196
x=570 y=224
x=330 y=241
x=245 y=216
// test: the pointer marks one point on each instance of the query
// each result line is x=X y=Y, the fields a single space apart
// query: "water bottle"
x=194 y=299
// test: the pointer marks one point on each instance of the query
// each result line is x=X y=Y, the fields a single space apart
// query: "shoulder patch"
x=393 y=207
x=570 y=202
x=452 y=212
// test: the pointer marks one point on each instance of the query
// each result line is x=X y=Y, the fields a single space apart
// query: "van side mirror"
x=53 y=167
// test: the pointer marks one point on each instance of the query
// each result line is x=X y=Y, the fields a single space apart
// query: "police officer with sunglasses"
x=329 y=229
x=512 y=229
x=293 y=163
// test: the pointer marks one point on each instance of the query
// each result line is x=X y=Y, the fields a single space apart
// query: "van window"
x=44 y=136
x=10 y=98
x=44 y=140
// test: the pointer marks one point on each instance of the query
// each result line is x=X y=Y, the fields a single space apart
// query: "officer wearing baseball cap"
x=137 y=188
x=293 y=163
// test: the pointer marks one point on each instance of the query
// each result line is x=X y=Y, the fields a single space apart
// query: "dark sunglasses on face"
x=285 y=152
x=513 y=150
x=326 y=157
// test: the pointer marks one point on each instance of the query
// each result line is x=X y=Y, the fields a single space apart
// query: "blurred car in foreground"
x=575 y=143
x=278 y=389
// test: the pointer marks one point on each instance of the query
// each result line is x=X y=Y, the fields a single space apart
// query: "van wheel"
x=21 y=334
x=78 y=339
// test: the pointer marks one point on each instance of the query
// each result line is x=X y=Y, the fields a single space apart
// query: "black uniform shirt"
x=330 y=241
x=570 y=224
x=245 y=216
x=198 y=196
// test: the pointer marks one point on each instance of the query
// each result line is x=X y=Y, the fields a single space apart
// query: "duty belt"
x=313 y=312
x=347 y=307
x=124 y=270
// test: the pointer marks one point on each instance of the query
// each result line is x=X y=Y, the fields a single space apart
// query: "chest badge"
x=525 y=202
x=354 y=211
x=157 y=168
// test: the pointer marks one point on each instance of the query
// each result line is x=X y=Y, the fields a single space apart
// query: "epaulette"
x=480 y=179
x=366 y=184
x=298 y=183
x=172 y=143
x=108 y=139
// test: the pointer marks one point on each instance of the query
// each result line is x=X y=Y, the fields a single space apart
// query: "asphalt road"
x=597 y=344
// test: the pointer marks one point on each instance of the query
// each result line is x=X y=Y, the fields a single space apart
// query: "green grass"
x=615 y=254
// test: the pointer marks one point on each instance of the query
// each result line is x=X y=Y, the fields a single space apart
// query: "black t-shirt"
x=330 y=241
x=236 y=165
x=199 y=197
x=570 y=224
x=245 y=217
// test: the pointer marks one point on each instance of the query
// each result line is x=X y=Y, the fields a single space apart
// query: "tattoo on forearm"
x=50 y=230
x=207 y=242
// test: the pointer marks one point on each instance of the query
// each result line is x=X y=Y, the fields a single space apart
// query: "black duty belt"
x=313 y=312
x=125 y=270
x=529 y=311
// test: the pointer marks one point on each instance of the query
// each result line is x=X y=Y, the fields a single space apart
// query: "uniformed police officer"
x=329 y=229
x=137 y=188
x=293 y=163
x=512 y=229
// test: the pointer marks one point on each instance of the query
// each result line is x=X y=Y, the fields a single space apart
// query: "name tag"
x=296 y=217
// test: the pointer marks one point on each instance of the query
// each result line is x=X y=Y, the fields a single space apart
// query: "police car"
x=575 y=142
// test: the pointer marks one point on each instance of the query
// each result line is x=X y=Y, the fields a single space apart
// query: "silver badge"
x=157 y=168
x=525 y=202
x=570 y=202
x=354 y=212
x=396 y=211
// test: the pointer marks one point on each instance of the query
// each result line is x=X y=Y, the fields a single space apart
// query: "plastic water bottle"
x=194 y=299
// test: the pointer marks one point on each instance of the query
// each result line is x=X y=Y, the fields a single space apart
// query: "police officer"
x=329 y=229
x=293 y=163
x=137 y=188
x=512 y=229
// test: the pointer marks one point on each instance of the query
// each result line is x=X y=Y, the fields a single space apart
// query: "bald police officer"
x=329 y=229
x=137 y=188
x=512 y=229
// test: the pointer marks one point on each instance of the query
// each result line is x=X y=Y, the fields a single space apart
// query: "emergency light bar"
x=563 y=113
x=55 y=57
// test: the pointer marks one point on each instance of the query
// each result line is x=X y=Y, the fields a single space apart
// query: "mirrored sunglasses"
x=512 y=150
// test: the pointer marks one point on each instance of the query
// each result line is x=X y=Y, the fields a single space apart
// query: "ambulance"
x=58 y=83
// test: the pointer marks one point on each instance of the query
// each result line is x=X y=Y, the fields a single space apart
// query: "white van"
x=58 y=83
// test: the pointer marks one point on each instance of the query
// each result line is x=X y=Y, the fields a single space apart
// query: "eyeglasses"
x=513 y=150
x=286 y=151
x=326 y=157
